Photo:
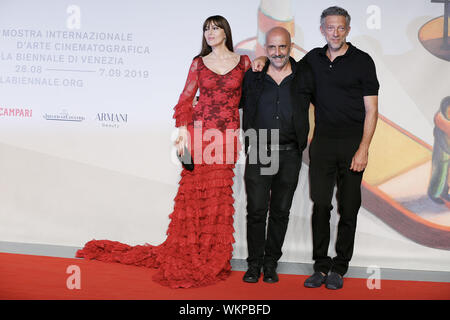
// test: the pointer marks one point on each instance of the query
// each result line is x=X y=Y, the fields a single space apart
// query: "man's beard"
x=284 y=61
x=341 y=44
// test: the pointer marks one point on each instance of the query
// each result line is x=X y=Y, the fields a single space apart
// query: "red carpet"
x=26 y=277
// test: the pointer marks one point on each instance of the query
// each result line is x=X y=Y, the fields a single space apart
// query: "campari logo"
x=112 y=120
x=13 y=112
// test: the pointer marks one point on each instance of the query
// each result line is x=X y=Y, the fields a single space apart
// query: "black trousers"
x=269 y=193
x=330 y=160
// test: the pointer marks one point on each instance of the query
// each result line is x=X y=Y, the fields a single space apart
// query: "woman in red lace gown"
x=198 y=247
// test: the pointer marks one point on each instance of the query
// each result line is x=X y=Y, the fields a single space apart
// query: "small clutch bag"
x=186 y=160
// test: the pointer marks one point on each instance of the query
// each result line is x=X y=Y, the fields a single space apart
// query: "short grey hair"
x=335 y=11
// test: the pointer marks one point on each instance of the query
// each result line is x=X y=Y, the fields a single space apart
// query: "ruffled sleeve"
x=183 y=110
x=247 y=63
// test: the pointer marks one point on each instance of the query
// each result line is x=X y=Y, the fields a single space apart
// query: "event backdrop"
x=87 y=90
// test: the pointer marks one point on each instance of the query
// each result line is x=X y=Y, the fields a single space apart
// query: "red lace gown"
x=198 y=247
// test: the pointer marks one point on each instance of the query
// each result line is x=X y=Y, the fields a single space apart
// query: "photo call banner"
x=87 y=90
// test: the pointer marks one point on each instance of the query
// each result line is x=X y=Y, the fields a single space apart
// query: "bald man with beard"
x=275 y=106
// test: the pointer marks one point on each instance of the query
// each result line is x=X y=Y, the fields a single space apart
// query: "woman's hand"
x=182 y=140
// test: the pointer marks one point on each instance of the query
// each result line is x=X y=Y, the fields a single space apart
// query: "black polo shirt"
x=274 y=110
x=340 y=88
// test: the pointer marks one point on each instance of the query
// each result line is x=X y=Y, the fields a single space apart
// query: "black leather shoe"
x=334 y=281
x=316 y=280
x=270 y=275
x=252 y=274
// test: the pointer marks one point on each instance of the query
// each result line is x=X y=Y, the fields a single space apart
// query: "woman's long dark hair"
x=222 y=23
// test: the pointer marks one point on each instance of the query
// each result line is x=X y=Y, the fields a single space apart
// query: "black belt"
x=282 y=147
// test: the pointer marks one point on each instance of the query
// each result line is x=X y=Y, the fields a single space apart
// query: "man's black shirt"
x=302 y=88
x=340 y=88
x=275 y=108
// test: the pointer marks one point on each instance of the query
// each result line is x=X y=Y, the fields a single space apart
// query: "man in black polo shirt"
x=275 y=100
x=346 y=112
